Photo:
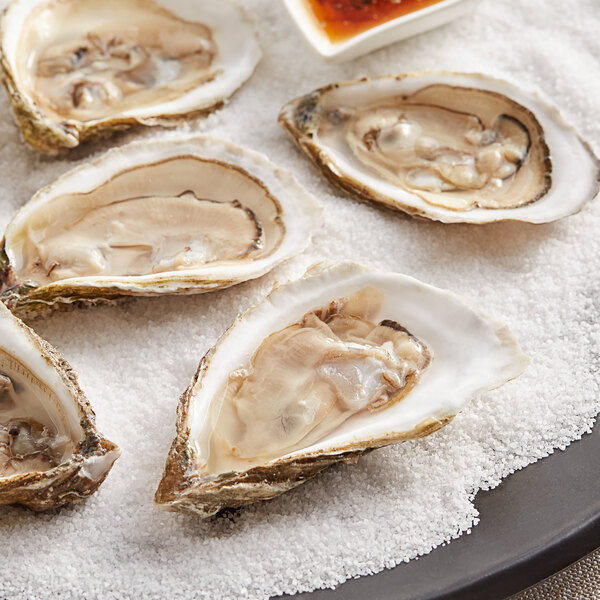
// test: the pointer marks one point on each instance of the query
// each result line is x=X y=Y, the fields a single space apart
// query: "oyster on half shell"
x=77 y=68
x=326 y=369
x=168 y=216
x=50 y=450
x=447 y=146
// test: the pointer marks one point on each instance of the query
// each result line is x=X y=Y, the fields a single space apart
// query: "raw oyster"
x=172 y=216
x=326 y=369
x=50 y=450
x=77 y=68
x=447 y=146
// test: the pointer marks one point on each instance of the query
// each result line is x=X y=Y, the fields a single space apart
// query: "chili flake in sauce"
x=343 y=19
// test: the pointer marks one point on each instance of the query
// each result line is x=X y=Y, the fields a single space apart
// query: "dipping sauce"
x=343 y=19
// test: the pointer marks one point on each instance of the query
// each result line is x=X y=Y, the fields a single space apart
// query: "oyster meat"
x=327 y=368
x=50 y=450
x=74 y=68
x=174 y=216
x=447 y=146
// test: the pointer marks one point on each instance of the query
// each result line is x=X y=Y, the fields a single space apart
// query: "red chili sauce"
x=343 y=19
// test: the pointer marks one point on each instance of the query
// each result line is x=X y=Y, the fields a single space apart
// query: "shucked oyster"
x=447 y=146
x=50 y=450
x=162 y=217
x=326 y=369
x=74 y=68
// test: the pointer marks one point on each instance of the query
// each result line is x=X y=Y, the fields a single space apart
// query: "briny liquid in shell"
x=343 y=19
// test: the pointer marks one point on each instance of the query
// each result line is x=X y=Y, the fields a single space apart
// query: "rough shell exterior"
x=472 y=353
x=178 y=492
x=300 y=216
x=299 y=118
x=54 y=138
x=76 y=479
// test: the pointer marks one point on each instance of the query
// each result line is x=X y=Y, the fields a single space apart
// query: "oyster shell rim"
x=363 y=193
x=69 y=481
x=52 y=138
x=181 y=492
x=307 y=219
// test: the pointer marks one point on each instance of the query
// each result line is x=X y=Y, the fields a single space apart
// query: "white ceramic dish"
x=376 y=37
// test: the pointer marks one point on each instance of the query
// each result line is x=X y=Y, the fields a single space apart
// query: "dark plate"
x=538 y=521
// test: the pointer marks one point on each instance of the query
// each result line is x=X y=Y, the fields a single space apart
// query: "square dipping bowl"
x=388 y=32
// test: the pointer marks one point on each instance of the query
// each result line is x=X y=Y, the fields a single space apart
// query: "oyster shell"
x=163 y=217
x=326 y=369
x=50 y=451
x=77 y=68
x=446 y=146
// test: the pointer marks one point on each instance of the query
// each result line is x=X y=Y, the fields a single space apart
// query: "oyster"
x=447 y=146
x=77 y=68
x=163 y=217
x=326 y=369
x=50 y=450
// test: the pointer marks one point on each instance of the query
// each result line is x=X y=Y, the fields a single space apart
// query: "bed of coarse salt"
x=135 y=359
